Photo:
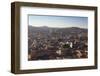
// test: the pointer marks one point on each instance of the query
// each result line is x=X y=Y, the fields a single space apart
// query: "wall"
x=5 y=33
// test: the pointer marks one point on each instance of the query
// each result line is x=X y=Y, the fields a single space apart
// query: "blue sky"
x=58 y=21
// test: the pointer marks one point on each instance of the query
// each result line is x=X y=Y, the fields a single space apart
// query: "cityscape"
x=51 y=41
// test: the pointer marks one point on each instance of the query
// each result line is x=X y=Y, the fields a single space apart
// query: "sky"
x=57 y=21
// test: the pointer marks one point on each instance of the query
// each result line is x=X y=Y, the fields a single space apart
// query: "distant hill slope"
x=70 y=30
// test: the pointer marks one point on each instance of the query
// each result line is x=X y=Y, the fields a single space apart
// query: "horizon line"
x=58 y=27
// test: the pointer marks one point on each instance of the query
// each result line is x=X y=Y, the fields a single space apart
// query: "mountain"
x=68 y=31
